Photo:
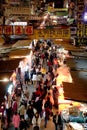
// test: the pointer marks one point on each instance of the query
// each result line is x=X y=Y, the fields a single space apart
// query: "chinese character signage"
x=28 y=30
x=16 y=30
x=80 y=8
x=8 y=30
x=54 y=33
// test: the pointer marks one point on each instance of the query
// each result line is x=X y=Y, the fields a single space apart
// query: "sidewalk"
x=50 y=126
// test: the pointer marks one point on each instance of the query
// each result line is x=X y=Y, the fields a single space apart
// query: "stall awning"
x=75 y=91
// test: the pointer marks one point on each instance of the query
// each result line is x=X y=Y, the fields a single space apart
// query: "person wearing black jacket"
x=30 y=114
x=58 y=121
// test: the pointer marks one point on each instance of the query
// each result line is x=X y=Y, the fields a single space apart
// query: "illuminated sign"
x=80 y=8
x=51 y=33
x=16 y=30
x=8 y=30
x=28 y=30
x=16 y=11
x=62 y=32
x=20 y=23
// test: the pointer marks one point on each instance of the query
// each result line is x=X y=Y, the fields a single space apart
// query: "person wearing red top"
x=38 y=92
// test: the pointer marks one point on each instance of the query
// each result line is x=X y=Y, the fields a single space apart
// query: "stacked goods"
x=73 y=111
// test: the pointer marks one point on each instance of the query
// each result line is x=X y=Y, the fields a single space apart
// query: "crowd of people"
x=42 y=70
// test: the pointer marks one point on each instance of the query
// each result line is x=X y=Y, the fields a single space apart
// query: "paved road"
x=50 y=124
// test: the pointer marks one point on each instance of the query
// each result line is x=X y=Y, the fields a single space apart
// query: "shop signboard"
x=13 y=1
x=16 y=11
x=42 y=33
x=8 y=30
x=80 y=24
x=18 y=30
x=66 y=33
x=80 y=8
x=85 y=30
x=73 y=31
x=28 y=30
x=51 y=33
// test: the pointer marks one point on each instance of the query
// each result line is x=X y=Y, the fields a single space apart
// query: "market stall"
x=75 y=118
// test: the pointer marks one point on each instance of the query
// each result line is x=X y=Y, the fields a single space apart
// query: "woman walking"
x=16 y=120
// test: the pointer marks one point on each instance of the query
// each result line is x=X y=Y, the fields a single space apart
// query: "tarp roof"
x=78 y=89
x=75 y=91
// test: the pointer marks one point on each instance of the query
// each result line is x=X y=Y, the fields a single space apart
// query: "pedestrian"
x=46 y=116
x=23 y=124
x=16 y=120
x=57 y=121
x=8 y=107
x=48 y=110
x=55 y=97
x=26 y=77
x=30 y=113
x=36 y=121
x=22 y=110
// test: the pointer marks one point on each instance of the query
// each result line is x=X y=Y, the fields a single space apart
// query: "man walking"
x=57 y=121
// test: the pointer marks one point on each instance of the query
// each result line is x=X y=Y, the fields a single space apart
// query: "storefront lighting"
x=4 y=80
